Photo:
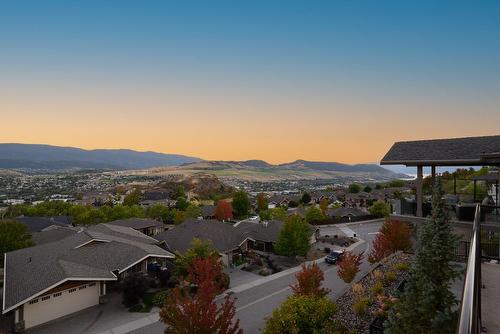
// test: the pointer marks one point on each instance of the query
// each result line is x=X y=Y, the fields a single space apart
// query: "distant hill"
x=257 y=170
x=33 y=156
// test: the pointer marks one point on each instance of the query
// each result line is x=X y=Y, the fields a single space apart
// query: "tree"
x=314 y=214
x=198 y=249
x=380 y=209
x=294 y=237
x=134 y=288
x=323 y=205
x=133 y=198
x=192 y=211
x=393 y=236
x=187 y=313
x=301 y=314
x=309 y=281
x=367 y=189
x=427 y=305
x=181 y=203
x=180 y=192
x=224 y=210
x=349 y=266
x=262 y=202
x=354 y=188
x=279 y=214
x=161 y=212
x=241 y=204
x=306 y=198
x=13 y=235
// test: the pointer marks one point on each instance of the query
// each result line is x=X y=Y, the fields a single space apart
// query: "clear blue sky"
x=327 y=69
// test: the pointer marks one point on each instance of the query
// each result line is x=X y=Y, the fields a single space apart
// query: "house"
x=208 y=211
x=317 y=196
x=39 y=224
x=224 y=237
x=229 y=241
x=264 y=235
x=346 y=212
x=146 y=226
x=63 y=276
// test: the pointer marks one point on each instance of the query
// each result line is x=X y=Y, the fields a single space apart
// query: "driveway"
x=93 y=320
x=238 y=277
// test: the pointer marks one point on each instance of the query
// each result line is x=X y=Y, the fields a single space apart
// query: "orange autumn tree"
x=185 y=312
x=309 y=281
x=393 y=236
x=349 y=266
x=224 y=210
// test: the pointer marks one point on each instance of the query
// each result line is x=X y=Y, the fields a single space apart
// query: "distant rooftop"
x=469 y=151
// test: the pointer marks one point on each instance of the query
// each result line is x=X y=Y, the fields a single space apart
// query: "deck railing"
x=470 y=308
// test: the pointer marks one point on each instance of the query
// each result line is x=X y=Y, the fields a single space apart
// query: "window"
x=71 y=290
x=57 y=294
x=82 y=287
x=91 y=284
x=34 y=301
x=45 y=298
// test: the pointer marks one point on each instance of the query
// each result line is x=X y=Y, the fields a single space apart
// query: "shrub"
x=394 y=235
x=377 y=274
x=360 y=306
x=389 y=277
x=134 y=288
x=159 y=298
x=377 y=288
x=402 y=266
x=309 y=281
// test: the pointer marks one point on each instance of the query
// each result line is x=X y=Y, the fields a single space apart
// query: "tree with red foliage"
x=309 y=281
x=393 y=236
x=349 y=266
x=185 y=313
x=224 y=210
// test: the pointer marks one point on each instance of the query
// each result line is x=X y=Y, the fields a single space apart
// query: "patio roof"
x=469 y=151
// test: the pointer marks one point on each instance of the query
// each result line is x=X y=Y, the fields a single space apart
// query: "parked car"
x=333 y=257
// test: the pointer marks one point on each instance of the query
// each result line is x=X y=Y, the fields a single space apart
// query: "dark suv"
x=333 y=257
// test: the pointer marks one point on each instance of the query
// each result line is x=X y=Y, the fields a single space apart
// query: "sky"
x=236 y=80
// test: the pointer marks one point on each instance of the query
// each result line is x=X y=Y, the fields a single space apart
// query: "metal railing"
x=470 y=308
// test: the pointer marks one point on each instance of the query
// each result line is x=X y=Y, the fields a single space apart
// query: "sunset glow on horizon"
x=271 y=80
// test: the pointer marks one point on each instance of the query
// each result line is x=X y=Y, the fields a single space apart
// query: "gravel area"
x=386 y=277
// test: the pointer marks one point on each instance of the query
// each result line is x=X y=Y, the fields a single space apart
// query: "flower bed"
x=373 y=294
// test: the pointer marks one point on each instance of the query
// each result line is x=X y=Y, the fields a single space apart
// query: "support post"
x=420 y=175
x=433 y=174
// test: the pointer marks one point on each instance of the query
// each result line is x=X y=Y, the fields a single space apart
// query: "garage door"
x=56 y=305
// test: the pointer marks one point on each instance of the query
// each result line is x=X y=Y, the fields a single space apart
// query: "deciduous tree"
x=380 y=209
x=185 y=313
x=262 y=202
x=309 y=281
x=294 y=237
x=354 y=188
x=393 y=236
x=224 y=210
x=323 y=205
x=13 y=235
x=133 y=198
x=241 y=204
x=314 y=214
x=349 y=266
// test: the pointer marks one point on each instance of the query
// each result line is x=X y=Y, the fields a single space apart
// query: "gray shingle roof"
x=52 y=235
x=137 y=223
x=30 y=271
x=454 y=151
x=223 y=236
x=37 y=224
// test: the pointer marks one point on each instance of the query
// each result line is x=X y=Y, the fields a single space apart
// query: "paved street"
x=255 y=304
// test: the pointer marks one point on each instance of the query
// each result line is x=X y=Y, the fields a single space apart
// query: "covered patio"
x=468 y=152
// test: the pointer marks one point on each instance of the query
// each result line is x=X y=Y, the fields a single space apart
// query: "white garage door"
x=56 y=305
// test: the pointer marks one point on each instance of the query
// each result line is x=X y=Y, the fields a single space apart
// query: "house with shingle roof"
x=69 y=272
x=146 y=226
x=38 y=224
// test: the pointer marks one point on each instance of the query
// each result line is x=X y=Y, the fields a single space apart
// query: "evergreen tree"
x=427 y=304
x=241 y=204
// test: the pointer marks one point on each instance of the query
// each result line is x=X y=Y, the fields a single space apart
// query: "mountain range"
x=47 y=157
